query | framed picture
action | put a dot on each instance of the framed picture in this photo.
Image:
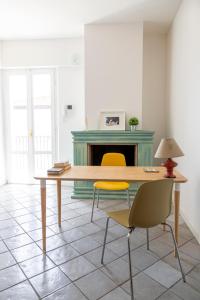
(112, 120)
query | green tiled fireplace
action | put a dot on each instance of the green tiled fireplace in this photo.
(89, 146)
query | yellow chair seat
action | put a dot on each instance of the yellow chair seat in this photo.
(120, 216)
(111, 185)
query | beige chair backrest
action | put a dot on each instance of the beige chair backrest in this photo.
(152, 204)
(113, 159)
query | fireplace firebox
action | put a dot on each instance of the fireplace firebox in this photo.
(96, 152)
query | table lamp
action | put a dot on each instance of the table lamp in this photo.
(168, 148)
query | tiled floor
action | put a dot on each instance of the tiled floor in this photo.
(71, 270)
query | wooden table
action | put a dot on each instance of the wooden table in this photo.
(94, 173)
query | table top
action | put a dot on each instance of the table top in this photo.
(96, 173)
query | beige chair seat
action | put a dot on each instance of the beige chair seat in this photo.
(120, 216)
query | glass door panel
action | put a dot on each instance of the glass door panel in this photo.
(42, 129)
(41, 89)
(18, 89)
(42, 124)
(18, 158)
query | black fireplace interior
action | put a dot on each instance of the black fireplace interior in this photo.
(97, 152)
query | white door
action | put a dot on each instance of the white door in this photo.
(30, 111)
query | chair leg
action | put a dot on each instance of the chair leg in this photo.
(104, 243)
(97, 198)
(130, 265)
(128, 199)
(94, 196)
(147, 231)
(177, 252)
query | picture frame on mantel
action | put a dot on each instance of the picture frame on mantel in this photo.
(112, 120)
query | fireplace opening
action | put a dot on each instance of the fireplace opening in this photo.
(96, 153)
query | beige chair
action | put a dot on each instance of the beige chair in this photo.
(110, 159)
(151, 207)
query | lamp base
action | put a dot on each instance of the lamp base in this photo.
(170, 165)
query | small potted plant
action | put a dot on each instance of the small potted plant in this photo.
(133, 122)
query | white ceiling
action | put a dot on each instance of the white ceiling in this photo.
(21, 19)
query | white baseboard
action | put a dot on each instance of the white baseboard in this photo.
(194, 232)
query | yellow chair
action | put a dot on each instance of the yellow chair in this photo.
(151, 207)
(110, 159)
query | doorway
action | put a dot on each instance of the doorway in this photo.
(30, 123)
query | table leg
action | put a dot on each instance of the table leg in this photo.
(176, 210)
(43, 210)
(59, 201)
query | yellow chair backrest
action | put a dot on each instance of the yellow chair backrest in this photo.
(113, 159)
(152, 204)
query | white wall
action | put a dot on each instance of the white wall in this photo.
(154, 81)
(2, 158)
(1, 54)
(71, 91)
(113, 70)
(184, 104)
(25, 53)
(66, 55)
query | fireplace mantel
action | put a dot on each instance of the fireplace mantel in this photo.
(137, 136)
(142, 139)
